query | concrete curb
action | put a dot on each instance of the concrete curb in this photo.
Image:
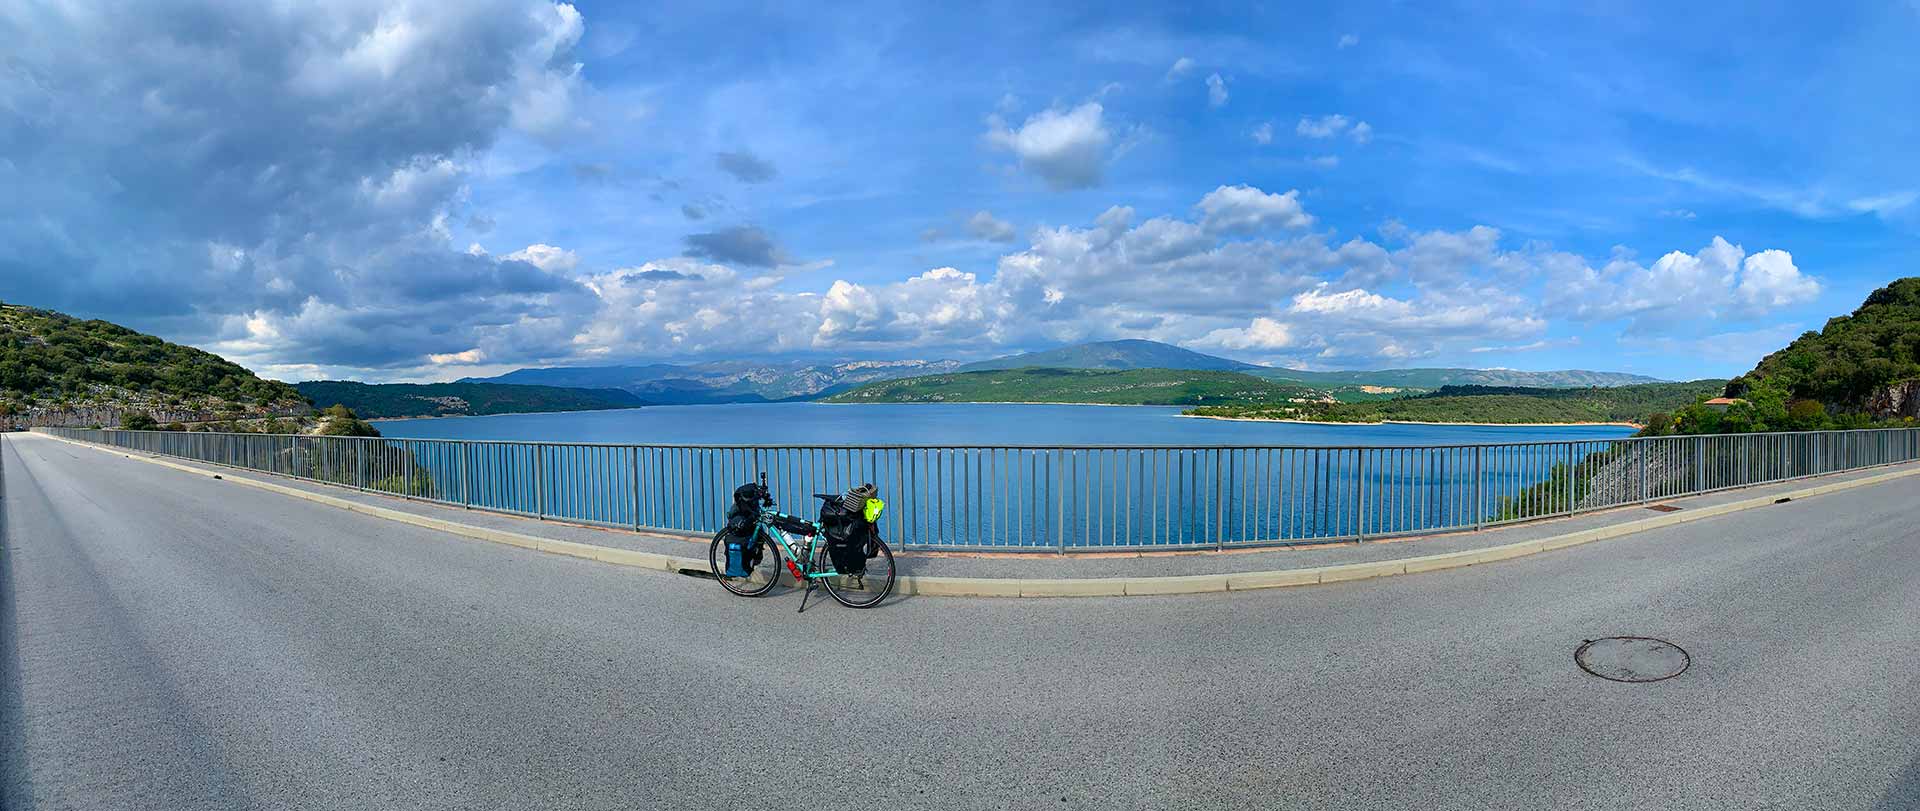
(1066, 587)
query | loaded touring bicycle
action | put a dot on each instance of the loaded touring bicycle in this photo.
(841, 551)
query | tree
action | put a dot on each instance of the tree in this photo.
(137, 421)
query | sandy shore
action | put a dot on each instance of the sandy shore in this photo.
(1420, 422)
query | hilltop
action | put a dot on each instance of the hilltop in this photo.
(387, 400)
(1865, 362)
(1117, 387)
(1859, 370)
(59, 370)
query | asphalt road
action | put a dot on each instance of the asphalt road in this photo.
(177, 642)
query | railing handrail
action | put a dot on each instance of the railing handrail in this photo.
(1028, 447)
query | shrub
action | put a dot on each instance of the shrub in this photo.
(137, 421)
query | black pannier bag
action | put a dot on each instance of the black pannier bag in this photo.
(742, 517)
(847, 533)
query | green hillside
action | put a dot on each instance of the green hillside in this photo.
(54, 362)
(1859, 370)
(381, 400)
(1118, 387)
(1494, 404)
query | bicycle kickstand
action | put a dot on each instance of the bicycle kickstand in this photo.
(805, 594)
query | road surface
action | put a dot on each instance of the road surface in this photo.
(177, 642)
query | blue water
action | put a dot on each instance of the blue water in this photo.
(1256, 490)
(951, 424)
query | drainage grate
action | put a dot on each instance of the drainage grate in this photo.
(1663, 508)
(1632, 658)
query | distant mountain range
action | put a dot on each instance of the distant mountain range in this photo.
(724, 381)
(754, 382)
(1129, 354)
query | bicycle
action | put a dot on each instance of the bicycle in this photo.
(854, 590)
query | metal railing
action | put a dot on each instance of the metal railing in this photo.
(1063, 499)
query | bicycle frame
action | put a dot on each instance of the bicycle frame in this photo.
(800, 565)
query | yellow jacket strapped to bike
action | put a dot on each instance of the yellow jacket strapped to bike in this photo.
(874, 506)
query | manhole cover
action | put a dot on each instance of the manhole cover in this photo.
(1632, 658)
(1663, 508)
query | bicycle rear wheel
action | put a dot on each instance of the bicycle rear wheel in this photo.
(760, 579)
(864, 590)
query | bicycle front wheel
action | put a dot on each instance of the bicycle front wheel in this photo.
(759, 579)
(864, 590)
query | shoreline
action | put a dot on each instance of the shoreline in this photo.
(1635, 426)
(501, 414)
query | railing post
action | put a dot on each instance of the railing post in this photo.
(633, 455)
(1479, 478)
(1059, 501)
(539, 485)
(1360, 496)
(1640, 450)
(1221, 478)
(466, 473)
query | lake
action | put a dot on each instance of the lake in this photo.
(960, 485)
(951, 424)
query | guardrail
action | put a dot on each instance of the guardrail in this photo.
(1083, 498)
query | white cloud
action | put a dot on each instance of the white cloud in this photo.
(1678, 214)
(1884, 204)
(1262, 334)
(1216, 91)
(1361, 132)
(1263, 134)
(1247, 210)
(1181, 67)
(1769, 280)
(1324, 161)
(1348, 41)
(547, 258)
(983, 225)
(1325, 126)
(1677, 289)
(1066, 148)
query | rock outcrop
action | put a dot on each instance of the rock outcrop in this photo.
(1896, 400)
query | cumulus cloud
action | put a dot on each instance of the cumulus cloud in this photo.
(1720, 281)
(1247, 210)
(1361, 132)
(1216, 91)
(745, 166)
(1181, 67)
(1348, 41)
(1263, 134)
(547, 258)
(741, 245)
(1066, 148)
(1325, 126)
(983, 225)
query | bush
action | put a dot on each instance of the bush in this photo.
(137, 421)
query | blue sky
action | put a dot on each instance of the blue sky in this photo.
(422, 191)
